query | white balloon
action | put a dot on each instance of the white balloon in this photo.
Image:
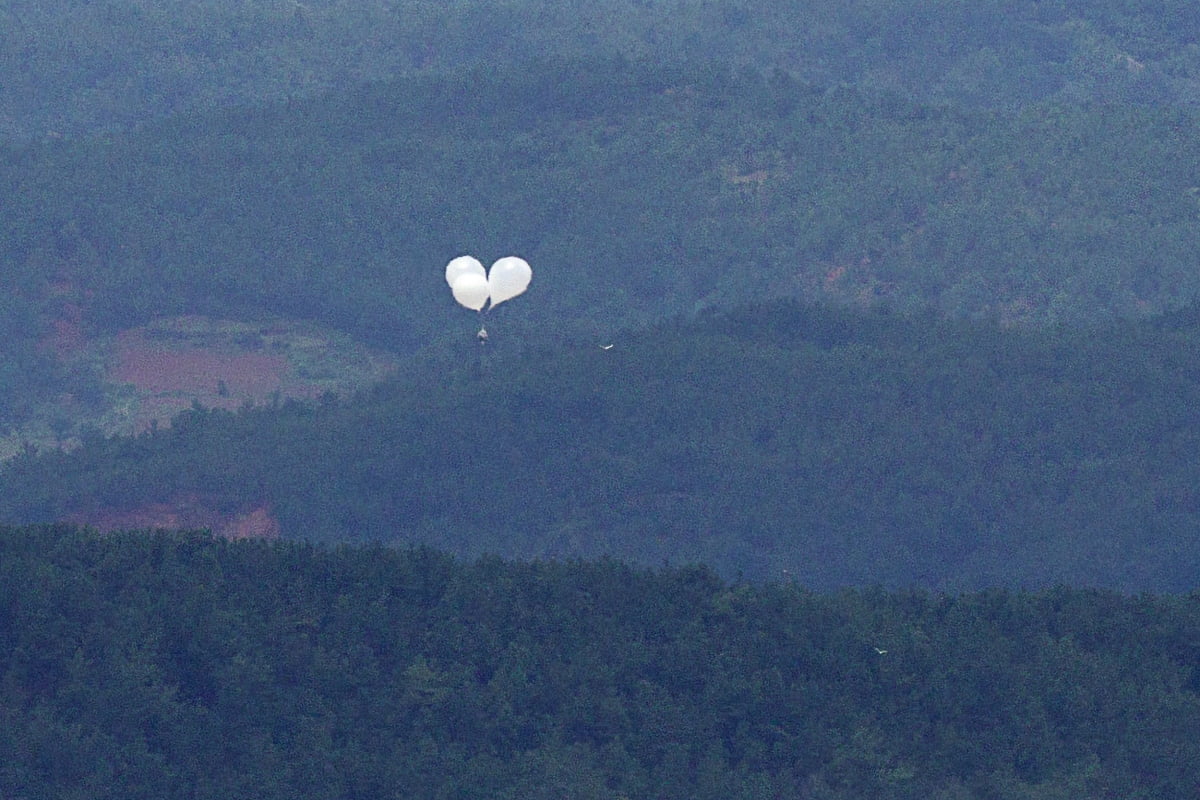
(508, 278)
(462, 266)
(471, 290)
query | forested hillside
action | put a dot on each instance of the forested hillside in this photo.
(981, 371)
(828, 295)
(638, 191)
(833, 446)
(150, 666)
(74, 68)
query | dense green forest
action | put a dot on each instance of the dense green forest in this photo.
(828, 295)
(150, 665)
(1025, 160)
(74, 67)
(639, 191)
(835, 446)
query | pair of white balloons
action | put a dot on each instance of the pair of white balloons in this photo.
(473, 287)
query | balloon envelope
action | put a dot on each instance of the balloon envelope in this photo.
(507, 278)
(462, 266)
(471, 290)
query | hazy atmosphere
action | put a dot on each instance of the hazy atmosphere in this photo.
(630, 399)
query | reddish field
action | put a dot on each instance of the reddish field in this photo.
(170, 375)
(178, 362)
(184, 512)
(157, 369)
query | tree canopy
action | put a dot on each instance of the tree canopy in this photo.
(142, 665)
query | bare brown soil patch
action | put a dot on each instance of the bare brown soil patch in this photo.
(175, 363)
(158, 370)
(171, 377)
(153, 372)
(185, 512)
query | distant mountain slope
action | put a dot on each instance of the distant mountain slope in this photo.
(638, 192)
(643, 190)
(833, 447)
(74, 68)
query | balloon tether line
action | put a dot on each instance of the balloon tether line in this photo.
(482, 336)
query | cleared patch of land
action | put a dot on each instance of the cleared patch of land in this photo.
(184, 512)
(152, 372)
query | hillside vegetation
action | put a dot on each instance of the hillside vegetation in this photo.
(639, 192)
(832, 446)
(828, 295)
(150, 666)
(75, 68)
(917, 337)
